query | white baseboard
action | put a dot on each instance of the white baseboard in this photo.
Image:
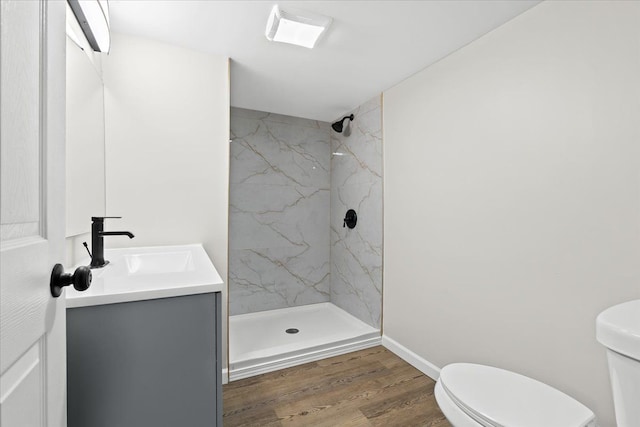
(421, 364)
(225, 376)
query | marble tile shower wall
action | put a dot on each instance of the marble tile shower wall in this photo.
(279, 212)
(356, 183)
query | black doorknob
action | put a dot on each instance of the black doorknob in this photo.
(80, 279)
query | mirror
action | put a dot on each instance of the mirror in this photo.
(84, 140)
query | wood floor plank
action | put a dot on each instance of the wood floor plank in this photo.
(371, 387)
(330, 417)
(262, 417)
(313, 382)
(353, 394)
(345, 397)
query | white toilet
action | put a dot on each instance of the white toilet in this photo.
(472, 395)
(618, 329)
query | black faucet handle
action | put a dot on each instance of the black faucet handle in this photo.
(101, 218)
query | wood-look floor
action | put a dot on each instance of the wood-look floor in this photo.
(370, 387)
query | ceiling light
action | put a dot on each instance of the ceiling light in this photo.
(93, 17)
(299, 28)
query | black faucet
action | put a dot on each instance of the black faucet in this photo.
(97, 240)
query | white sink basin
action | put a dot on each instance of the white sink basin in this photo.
(135, 274)
(618, 328)
(159, 262)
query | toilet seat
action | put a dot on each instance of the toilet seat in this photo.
(494, 397)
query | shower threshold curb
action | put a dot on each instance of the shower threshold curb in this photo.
(306, 356)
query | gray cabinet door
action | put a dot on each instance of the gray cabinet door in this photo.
(146, 363)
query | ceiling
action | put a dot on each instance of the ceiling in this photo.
(370, 46)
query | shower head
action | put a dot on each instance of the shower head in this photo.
(337, 126)
(346, 131)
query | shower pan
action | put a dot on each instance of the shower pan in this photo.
(260, 342)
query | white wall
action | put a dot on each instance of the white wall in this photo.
(167, 147)
(512, 196)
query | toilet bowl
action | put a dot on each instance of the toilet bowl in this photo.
(471, 395)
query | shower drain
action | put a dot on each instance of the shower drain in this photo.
(292, 331)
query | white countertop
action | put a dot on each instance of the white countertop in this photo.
(136, 274)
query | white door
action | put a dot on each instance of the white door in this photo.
(32, 105)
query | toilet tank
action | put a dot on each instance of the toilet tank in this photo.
(625, 382)
(618, 329)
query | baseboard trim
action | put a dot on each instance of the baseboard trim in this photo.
(225, 376)
(421, 364)
(311, 356)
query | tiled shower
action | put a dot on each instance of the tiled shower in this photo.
(292, 181)
(279, 219)
(356, 183)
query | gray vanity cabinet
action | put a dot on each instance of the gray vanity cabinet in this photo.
(145, 363)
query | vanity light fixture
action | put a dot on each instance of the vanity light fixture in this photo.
(296, 27)
(93, 17)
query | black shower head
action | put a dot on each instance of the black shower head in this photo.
(337, 126)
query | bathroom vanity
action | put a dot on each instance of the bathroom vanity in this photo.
(144, 341)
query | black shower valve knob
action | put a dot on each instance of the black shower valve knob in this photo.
(350, 219)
